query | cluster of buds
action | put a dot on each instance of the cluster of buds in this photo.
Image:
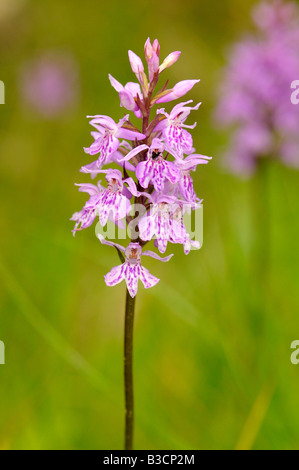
(154, 165)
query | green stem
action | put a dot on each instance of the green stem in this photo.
(128, 372)
(129, 316)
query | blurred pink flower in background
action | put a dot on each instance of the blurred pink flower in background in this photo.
(256, 91)
(49, 83)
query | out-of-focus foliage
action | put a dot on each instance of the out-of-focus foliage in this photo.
(212, 340)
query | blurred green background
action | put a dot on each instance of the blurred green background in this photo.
(212, 340)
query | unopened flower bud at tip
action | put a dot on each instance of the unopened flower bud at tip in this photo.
(156, 47)
(169, 61)
(179, 90)
(148, 49)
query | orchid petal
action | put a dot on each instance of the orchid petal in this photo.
(116, 85)
(124, 133)
(92, 168)
(133, 189)
(136, 63)
(115, 276)
(132, 274)
(117, 157)
(133, 88)
(89, 188)
(127, 100)
(106, 242)
(103, 120)
(152, 254)
(134, 152)
(147, 279)
(144, 173)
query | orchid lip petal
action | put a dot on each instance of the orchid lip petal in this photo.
(147, 279)
(115, 276)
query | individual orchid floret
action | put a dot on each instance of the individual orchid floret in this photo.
(179, 90)
(185, 183)
(132, 270)
(86, 216)
(117, 157)
(164, 222)
(169, 60)
(178, 217)
(155, 169)
(172, 127)
(129, 190)
(113, 204)
(127, 95)
(107, 137)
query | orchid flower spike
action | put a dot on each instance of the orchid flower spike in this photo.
(154, 162)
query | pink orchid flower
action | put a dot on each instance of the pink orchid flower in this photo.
(111, 203)
(155, 169)
(107, 137)
(173, 127)
(164, 222)
(185, 183)
(127, 95)
(132, 270)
